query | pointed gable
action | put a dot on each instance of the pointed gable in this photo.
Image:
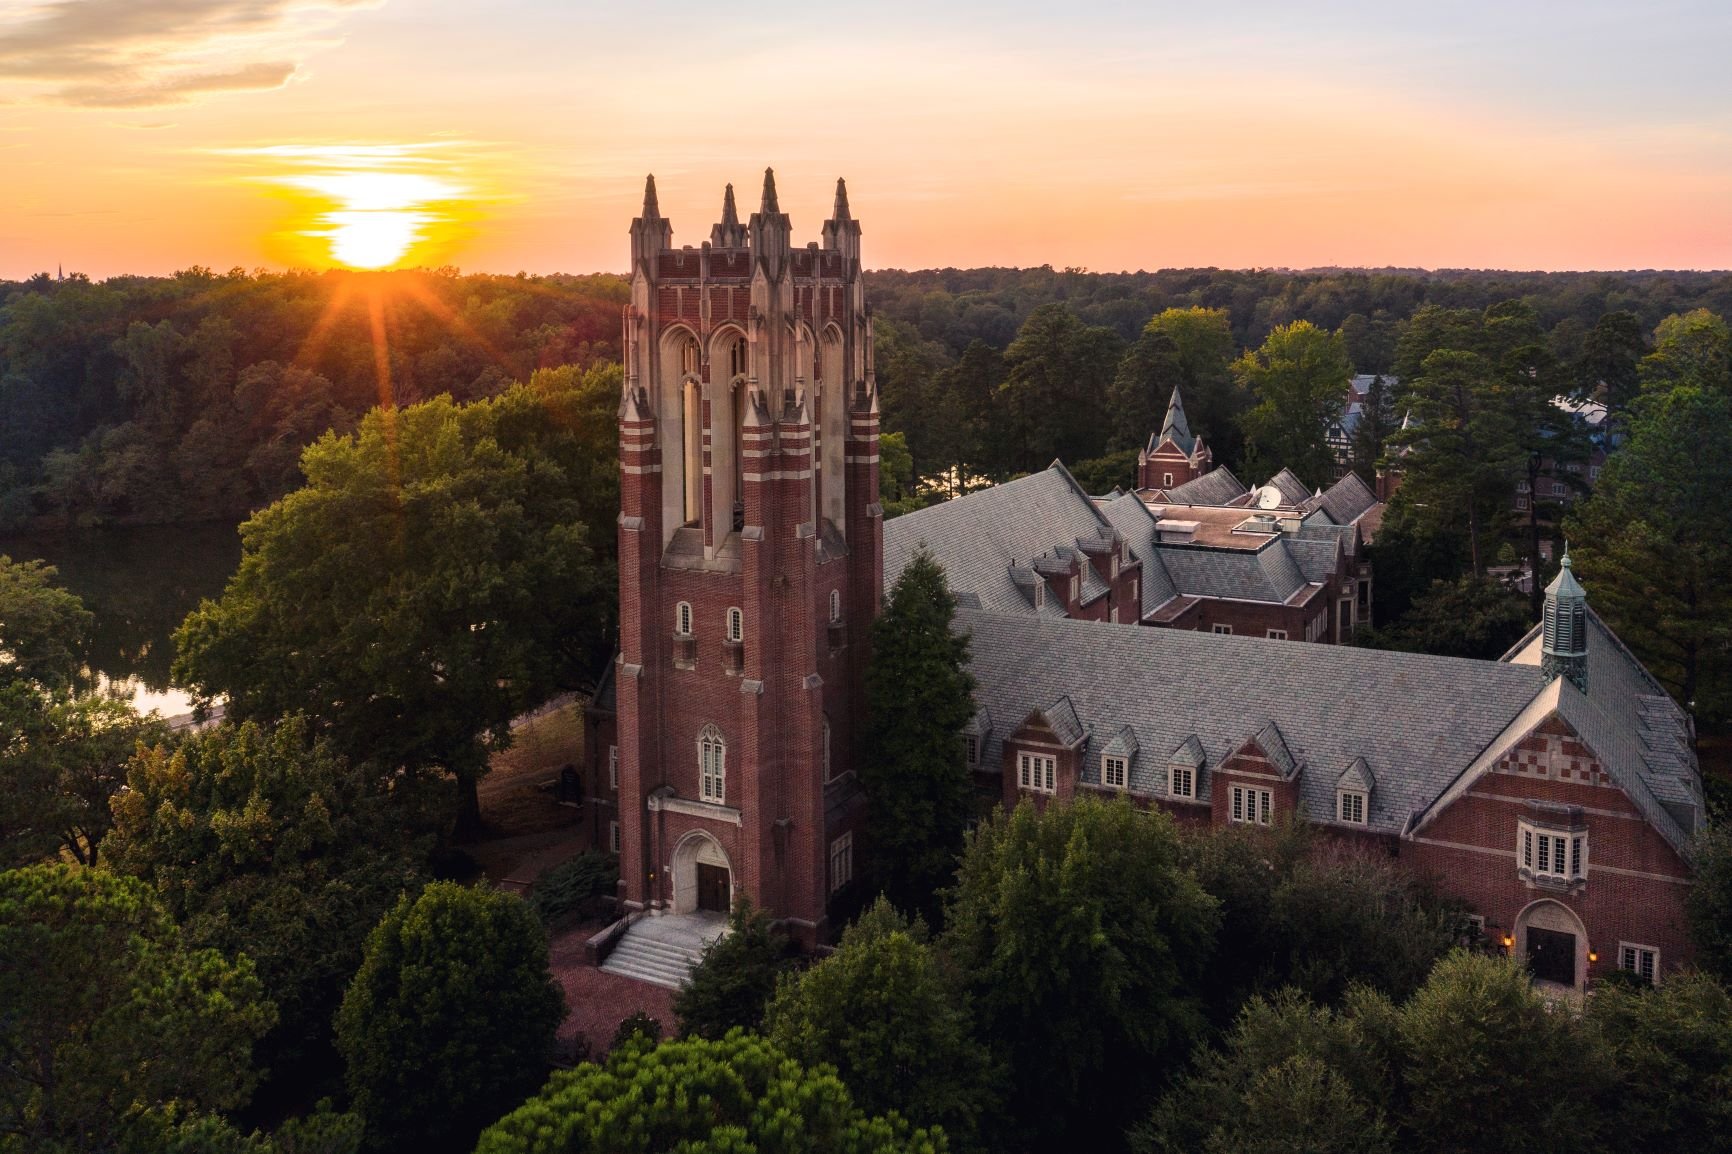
(1357, 776)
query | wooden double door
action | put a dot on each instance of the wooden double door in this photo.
(1552, 956)
(714, 890)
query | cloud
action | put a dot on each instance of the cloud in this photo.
(141, 53)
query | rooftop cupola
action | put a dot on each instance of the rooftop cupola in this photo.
(1564, 650)
(729, 233)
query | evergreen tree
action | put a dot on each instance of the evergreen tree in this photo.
(1377, 421)
(739, 1094)
(737, 977)
(1298, 383)
(1645, 547)
(919, 696)
(450, 1020)
(109, 1015)
(1611, 361)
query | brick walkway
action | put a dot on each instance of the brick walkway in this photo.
(597, 1002)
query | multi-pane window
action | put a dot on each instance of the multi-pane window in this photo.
(1037, 771)
(1350, 806)
(1643, 961)
(613, 767)
(1277, 634)
(1250, 805)
(712, 766)
(683, 619)
(1559, 856)
(1182, 781)
(1113, 772)
(1220, 629)
(613, 836)
(736, 625)
(841, 861)
(827, 770)
(971, 748)
(1521, 503)
(835, 605)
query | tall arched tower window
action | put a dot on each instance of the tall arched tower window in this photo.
(712, 766)
(832, 419)
(736, 625)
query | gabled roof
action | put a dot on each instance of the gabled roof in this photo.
(1136, 524)
(1347, 499)
(979, 537)
(1275, 750)
(1291, 488)
(1189, 752)
(1216, 487)
(1418, 718)
(1123, 744)
(1061, 718)
(1357, 776)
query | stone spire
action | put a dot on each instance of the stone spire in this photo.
(842, 232)
(728, 234)
(1175, 428)
(769, 204)
(1564, 649)
(651, 232)
(840, 211)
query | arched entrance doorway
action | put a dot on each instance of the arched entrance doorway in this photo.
(1553, 942)
(703, 877)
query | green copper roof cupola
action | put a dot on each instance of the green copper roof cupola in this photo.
(1564, 650)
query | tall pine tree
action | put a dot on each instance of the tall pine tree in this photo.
(919, 696)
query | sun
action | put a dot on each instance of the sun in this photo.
(378, 216)
(368, 206)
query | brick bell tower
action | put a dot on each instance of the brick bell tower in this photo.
(750, 563)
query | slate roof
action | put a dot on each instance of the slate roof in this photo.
(979, 537)
(1347, 499)
(1269, 574)
(1216, 487)
(1291, 488)
(1175, 428)
(1418, 719)
(1136, 524)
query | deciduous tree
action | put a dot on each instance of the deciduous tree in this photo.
(1084, 943)
(890, 1016)
(1297, 382)
(450, 1020)
(435, 577)
(264, 841)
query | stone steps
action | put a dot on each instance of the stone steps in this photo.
(647, 960)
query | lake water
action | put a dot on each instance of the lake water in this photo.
(140, 583)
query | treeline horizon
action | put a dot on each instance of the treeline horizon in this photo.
(138, 400)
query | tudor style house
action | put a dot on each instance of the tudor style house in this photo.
(1554, 791)
(749, 564)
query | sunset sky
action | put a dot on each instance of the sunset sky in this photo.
(148, 135)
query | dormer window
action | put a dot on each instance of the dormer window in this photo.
(1113, 772)
(1350, 807)
(1182, 781)
(1037, 772)
(683, 619)
(971, 749)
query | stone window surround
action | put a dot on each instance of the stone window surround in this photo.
(1361, 807)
